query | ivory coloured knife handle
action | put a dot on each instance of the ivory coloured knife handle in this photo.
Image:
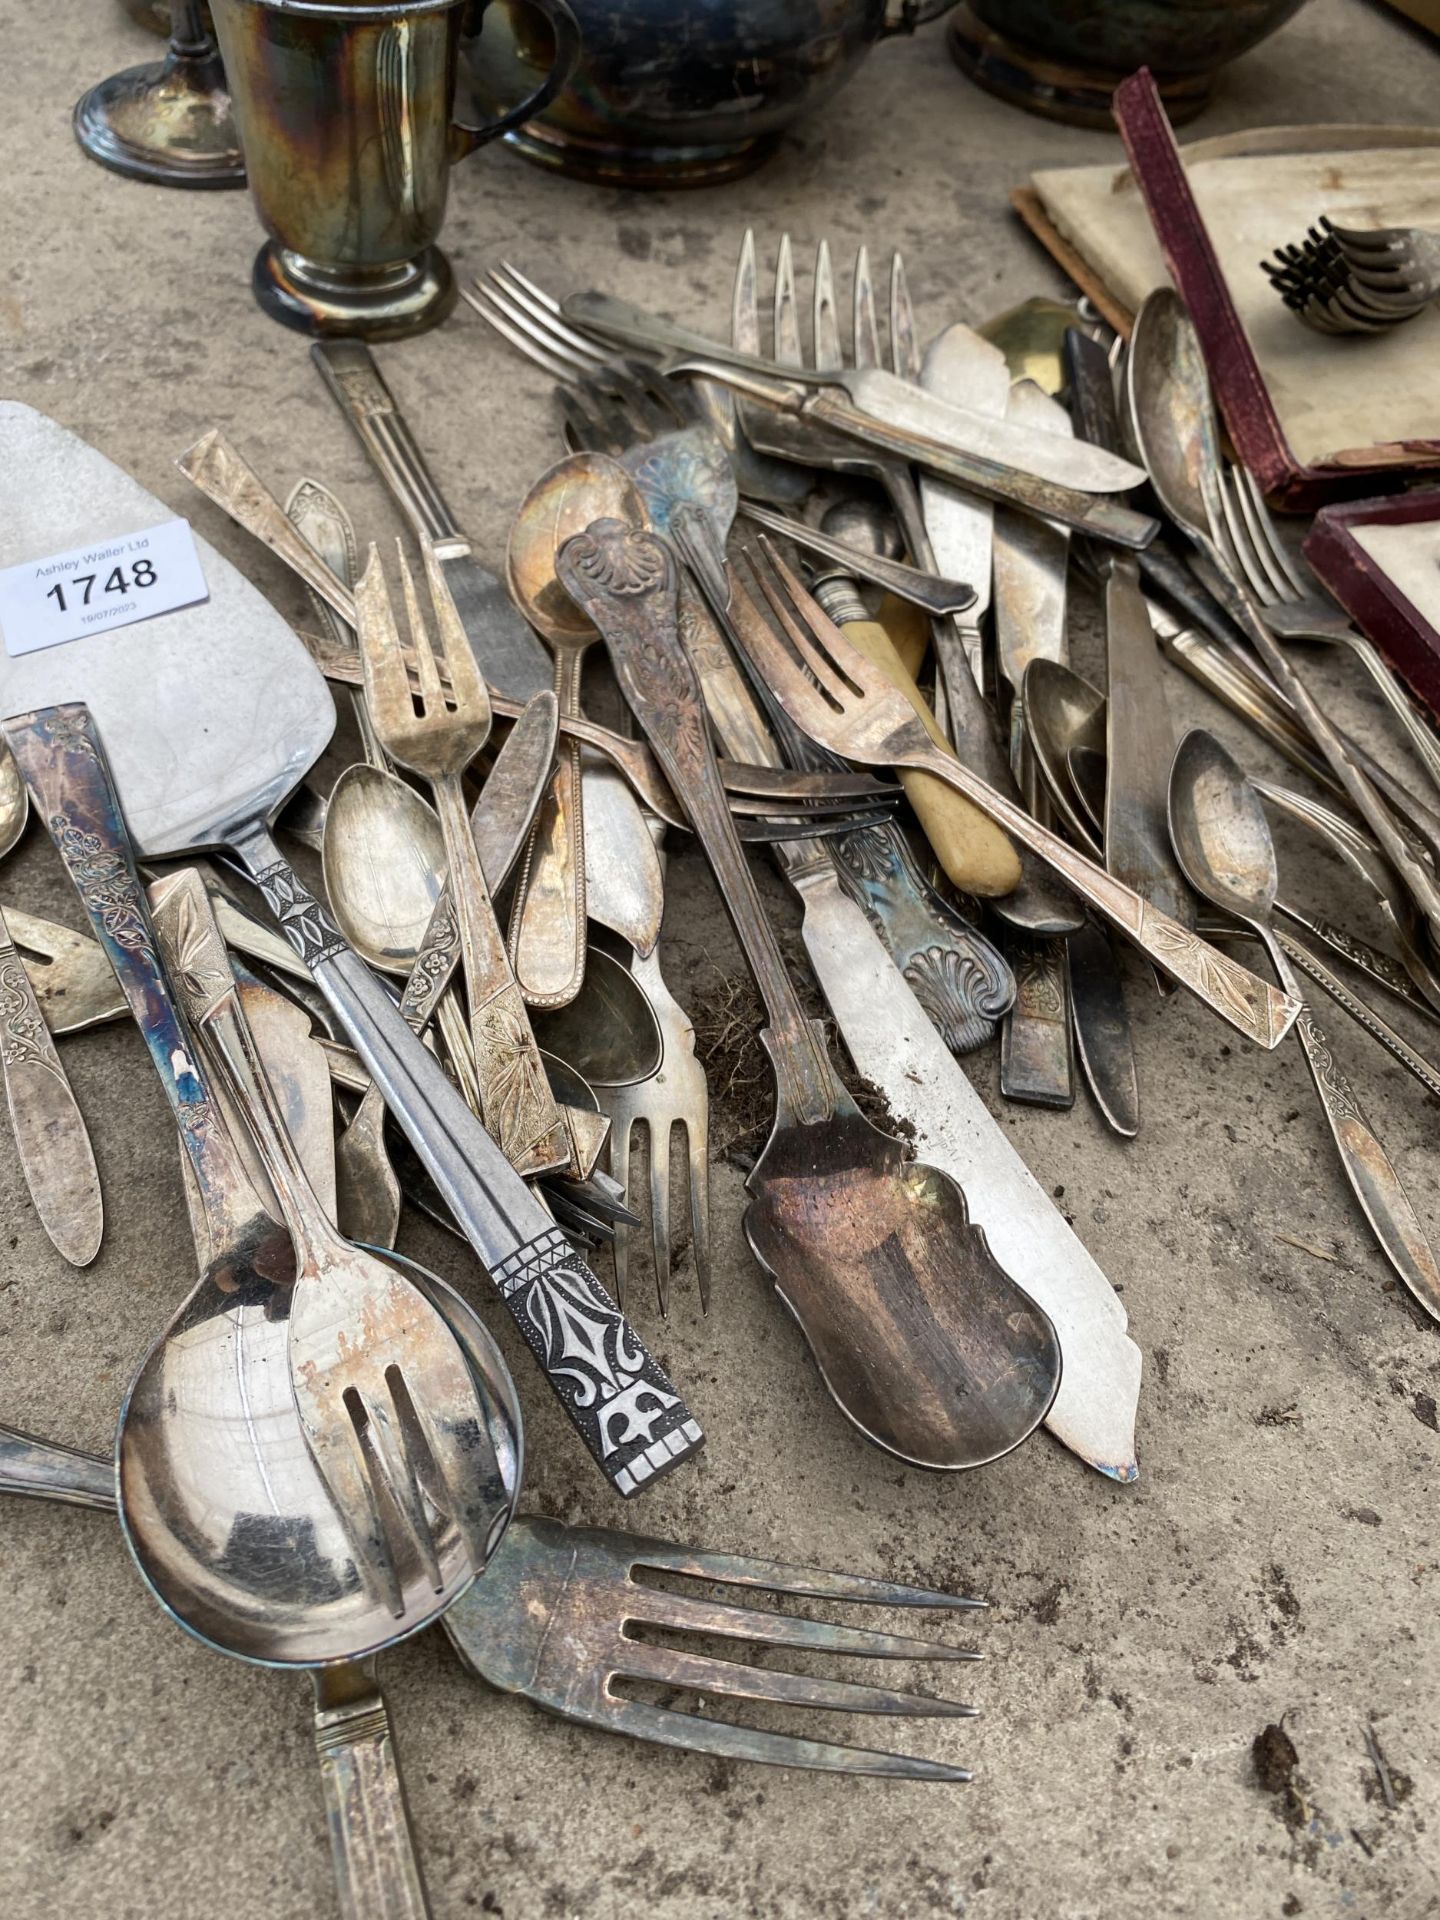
(908, 629)
(974, 852)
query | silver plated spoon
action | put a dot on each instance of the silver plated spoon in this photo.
(1222, 840)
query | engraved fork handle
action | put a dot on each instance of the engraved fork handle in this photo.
(377, 1868)
(625, 579)
(349, 370)
(1247, 1003)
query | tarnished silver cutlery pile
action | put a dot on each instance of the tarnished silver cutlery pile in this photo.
(833, 594)
(1056, 767)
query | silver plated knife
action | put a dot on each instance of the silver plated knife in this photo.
(512, 658)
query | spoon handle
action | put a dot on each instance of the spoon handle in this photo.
(377, 1867)
(58, 751)
(547, 920)
(1373, 1180)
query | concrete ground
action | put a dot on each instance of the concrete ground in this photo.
(1278, 1561)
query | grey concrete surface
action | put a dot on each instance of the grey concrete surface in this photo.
(1278, 1559)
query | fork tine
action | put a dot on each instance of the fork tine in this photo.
(795, 694)
(660, 1212)
(538, 294)
(806, 1583)
(744, 299)
(692, 1613)
(467, 684)
(788, 348)
(826, 676)
(383, 1443)
(904, 349)
(1263, 538)
(1241, 544)
(1264, 522)
(867, 333)
(524, 301)
(466, 1482)
(387, 682)
(585, 429)
(621, 1127)
(669, 1728)
(497, 319)
(825, 314)
(610, 416)
(697, 1143)
(427, 671)
(737, 1680)
(343, 1465)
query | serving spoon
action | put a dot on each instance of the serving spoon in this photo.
(1222, 840)
(927, 1346)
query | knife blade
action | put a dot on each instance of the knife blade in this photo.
(1140, 739)
(960, 524)
(879, 395)
(510, 656)
(893, 1044)
(1031, 560)
(50, 1133)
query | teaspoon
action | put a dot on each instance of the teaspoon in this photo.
(1222, 840)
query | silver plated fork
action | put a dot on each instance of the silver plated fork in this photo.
(555, 1618)
(1294, 611)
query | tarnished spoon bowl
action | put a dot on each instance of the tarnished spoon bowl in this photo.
(563, 501)
(1062, 712)
(1222, 838)
(608, 1033)
(384, 864)
(222, 1505)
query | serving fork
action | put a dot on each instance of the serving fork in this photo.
(831, 690)
(554, 1618)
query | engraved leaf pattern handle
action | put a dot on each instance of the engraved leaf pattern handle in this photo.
(625, 580)
(58, 751)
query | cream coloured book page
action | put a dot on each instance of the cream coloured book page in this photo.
(1332, 395)
(1410, 555)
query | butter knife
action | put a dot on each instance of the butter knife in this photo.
(50, 1133)
(1140, 740)
(893, 1044)
(511, 657)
